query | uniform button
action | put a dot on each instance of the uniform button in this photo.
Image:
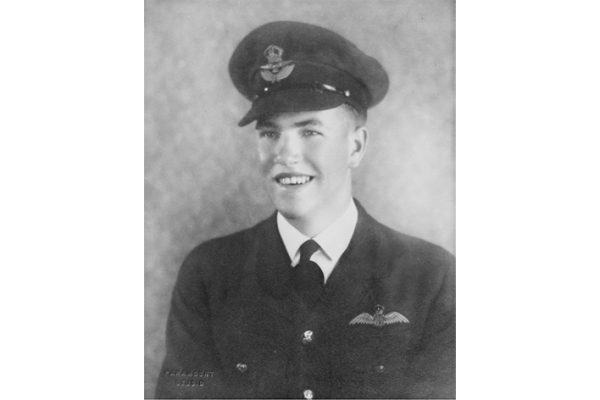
(308, 394)
(380, 368)
(307, 337)
(242, 367)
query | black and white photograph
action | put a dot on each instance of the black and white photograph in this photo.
(300, 199)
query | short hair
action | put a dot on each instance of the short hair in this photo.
(359, 117)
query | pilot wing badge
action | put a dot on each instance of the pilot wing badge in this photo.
(379, 319)
(276, 69)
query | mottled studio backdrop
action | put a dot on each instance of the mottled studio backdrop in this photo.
(200, 175)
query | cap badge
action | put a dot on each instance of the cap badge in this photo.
(379, 319)
(276, 69)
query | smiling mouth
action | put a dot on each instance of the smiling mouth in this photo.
(293, 180)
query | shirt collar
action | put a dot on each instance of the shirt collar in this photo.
(333, 240)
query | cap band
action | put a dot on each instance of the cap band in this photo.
(317, 87)
(319, 79)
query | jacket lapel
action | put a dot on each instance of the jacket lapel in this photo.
(273, 265)
(356, 281)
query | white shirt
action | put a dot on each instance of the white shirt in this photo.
(333, 241)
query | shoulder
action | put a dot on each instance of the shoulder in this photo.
(410, 247)
(399, 253)
(223, 254)
(397, 243)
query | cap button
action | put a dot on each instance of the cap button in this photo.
(307, 337)
(242, 367)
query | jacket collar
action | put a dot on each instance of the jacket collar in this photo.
(357, 277)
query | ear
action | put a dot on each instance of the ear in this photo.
(357, 145)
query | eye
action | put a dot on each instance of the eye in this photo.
(268, 134)
(310, 133)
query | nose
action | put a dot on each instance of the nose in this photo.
(288, 150)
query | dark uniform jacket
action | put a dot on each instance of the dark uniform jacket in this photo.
(237, 329)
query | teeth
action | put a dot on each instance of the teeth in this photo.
(294, 180)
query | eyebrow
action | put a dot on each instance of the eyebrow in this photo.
(311, 121)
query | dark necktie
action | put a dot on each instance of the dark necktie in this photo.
(307, 277)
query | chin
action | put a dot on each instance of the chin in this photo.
(291, 210)
(290, 213)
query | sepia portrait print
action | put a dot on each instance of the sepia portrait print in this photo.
(299, 199)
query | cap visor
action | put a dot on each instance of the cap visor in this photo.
(291, 101)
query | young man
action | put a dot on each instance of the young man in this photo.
(319, 300)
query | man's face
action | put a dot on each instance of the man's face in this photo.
(306, 158)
